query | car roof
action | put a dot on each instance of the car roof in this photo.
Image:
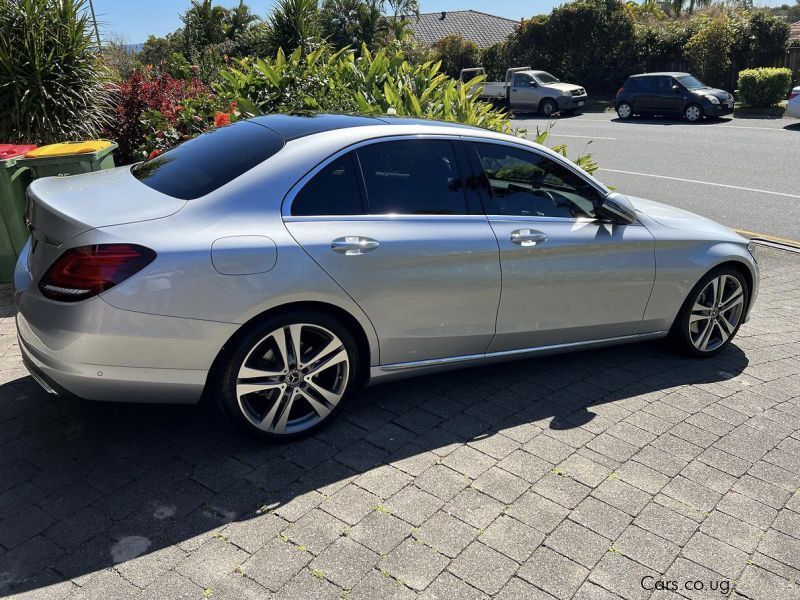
(661, 73)
(293, 126)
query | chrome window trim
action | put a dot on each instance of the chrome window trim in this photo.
(286, 203)
(384, 217)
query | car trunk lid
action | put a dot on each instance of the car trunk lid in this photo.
(60, 208)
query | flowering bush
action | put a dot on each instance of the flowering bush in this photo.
(145, 92)
(190, 118)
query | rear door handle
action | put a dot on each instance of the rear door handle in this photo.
(527, 237)
(352, 245)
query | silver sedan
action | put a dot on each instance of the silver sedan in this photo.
(276, 264)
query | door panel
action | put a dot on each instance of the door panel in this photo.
(430, 287)
(417, 257)
(523, 94)
(567, 276)
(587, 280)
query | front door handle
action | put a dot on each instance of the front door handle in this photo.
(527, 237)
(353, 245)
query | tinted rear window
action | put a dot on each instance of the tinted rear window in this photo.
(412, 177)
(200, 166)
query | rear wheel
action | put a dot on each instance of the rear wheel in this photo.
(693, 113)
(288, 375)
(712, 313)
(624, 110)
(548, 107)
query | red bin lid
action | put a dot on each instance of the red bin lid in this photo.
(13, 150)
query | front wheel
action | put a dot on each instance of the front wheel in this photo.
(287, 376)
(624, 110)
(693, 113)
(712, 313)
(548, 107)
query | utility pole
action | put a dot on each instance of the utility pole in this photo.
(94, 20)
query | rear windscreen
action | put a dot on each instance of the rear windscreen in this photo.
(200, 166)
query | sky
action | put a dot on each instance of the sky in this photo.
(134, 20)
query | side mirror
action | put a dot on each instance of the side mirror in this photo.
(534, 84)
(676, 89)
(617, 208)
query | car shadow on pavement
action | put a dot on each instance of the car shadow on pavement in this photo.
(666, 121)
(793, 126)
(87, 486)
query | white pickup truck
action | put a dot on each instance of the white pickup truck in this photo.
(526, 90)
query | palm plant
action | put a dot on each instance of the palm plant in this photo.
(295, 24)
(239, 19)
(52, 84)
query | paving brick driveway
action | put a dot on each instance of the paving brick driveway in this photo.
(572, 476)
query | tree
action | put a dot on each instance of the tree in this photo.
(709, 51)
(238, 20)
(590, 42)
(456, 53)
(203, 25)
(295, 24)
(768, 38)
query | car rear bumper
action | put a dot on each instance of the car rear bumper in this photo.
(98, 352)
(793, 110)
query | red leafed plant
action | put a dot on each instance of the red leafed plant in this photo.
(142, 92)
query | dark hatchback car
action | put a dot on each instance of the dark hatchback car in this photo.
(671, 94)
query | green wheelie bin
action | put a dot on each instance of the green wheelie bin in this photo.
(70, 158)
(14, 180)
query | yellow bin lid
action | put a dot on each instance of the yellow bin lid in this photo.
(68, 148)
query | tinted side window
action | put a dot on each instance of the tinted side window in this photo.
(530, 184)
(200, 166)
(334, 190)
(633, 84)
(412, 177)
(521, 81)
(646, 84)
(663, 84)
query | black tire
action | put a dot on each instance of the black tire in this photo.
(680, 335)
(548, 107)
(226, 375)
(693, 113)
(625, 111)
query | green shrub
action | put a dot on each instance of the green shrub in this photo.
(456, 53)
(709, 51)
(494, 60)
(764, 87)
(378, 83)
(52, 82)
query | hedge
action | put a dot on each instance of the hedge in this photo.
(766, 86)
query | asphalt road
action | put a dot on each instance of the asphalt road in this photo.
(742, 172)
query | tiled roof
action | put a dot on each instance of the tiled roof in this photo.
(795, 34)
(481, 28)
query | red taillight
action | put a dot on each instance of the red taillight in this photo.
(793, 95)
(86, 271)
(620, 90)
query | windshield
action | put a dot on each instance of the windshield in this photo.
(200, 166)
(691, 82)
(545, 78)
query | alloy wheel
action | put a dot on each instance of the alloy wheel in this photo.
(716, 313)
(292, 378)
